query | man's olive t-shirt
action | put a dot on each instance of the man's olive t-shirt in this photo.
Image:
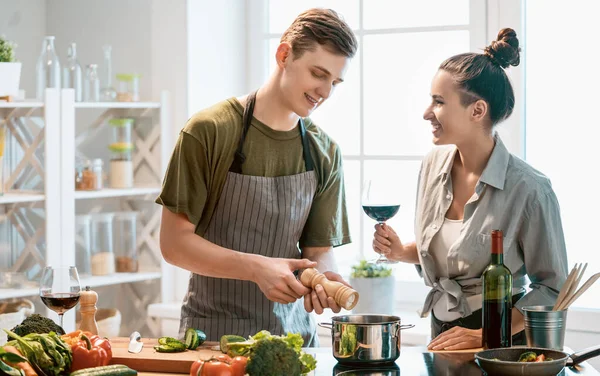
(204, 152)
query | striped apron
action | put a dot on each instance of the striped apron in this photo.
(258, 215)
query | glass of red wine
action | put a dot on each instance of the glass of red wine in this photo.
(59, 289)
(380, 202)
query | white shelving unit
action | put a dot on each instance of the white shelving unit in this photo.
(55, 243)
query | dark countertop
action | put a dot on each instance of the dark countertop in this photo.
(417, 361)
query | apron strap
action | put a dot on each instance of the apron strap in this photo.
(239, 158)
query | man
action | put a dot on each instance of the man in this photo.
(254, 192)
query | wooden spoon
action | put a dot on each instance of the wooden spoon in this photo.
(583, 288)
(565, 288)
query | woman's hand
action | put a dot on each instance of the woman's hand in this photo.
(457, 338)
(387, 243)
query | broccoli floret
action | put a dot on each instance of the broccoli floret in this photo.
(273, 357)
(37, 324)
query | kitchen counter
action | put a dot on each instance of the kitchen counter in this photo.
(413, 361)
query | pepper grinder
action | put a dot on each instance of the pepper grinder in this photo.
(343, 295)
(87, 307)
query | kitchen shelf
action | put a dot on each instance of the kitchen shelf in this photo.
(18, 293)
(18, 197)
(30, 103)
(125, 105)
(93, 282)
(112, 192)
(117, 278)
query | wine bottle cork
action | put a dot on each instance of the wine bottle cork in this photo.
(87, 307)
(343, 295)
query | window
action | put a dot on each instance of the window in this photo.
(376, 114)
(561, 119)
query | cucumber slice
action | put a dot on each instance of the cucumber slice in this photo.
(191, 339)
(167, 349)
(172, 342)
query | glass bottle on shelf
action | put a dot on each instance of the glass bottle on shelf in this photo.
(47, 69)
(107, 91)
(129, 87)
(72, 73)
(91, 91)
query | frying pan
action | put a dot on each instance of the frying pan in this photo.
(504, 361)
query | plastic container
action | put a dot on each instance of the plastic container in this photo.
(126, 256)
(129, 87)
(103, 257)
(83, 245)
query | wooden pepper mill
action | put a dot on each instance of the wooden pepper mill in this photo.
(87, 307)
(343, 295)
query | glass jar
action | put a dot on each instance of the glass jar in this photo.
(83, 245)
(103, 257)
(126, 242)
(129, 87)
(121, 131)
(91, 86)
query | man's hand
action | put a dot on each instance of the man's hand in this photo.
(457, 338)
(317, 300)
(276, 279)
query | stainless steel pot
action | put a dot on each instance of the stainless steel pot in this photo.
(362, 339)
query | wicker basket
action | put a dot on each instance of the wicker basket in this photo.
(12, 313)
(108, 320)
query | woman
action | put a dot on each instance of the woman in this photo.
(469, 186)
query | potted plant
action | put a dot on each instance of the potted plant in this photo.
(375, 284)
(10, 70)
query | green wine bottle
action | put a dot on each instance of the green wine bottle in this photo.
(497, 298)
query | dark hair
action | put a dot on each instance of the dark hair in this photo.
(322, 26)
(482, 76)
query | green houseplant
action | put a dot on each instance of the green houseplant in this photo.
(10, 69)
(375, 284)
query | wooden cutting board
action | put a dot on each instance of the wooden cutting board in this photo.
(148, 360)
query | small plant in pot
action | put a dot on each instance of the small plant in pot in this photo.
(375, 284)
(10, 70)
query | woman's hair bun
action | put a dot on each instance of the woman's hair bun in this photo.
(505, 50)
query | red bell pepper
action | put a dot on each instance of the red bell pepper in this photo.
(88, 349)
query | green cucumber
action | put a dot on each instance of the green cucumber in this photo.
(194, 338)
(115, 369)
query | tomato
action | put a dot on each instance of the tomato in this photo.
(238, 365)
(216, 368)
(221, 365)
(195, 367)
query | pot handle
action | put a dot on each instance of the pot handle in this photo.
(408, 326)
(326, 325)
(583, 355)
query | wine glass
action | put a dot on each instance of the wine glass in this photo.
(380, 202)
(59, 289)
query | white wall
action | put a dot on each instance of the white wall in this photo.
(24, 22)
